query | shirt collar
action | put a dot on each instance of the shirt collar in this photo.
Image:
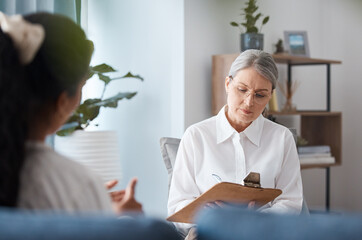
(224, 130)
(253, 132)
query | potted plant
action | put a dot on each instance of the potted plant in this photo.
(251, 38)
(90, 108)
(97, 150)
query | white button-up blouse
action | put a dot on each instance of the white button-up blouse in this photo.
(213, 146)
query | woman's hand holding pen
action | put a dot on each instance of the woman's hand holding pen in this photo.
(220, 204)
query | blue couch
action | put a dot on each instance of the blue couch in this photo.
(238, 223)
(215, 224)
(16, 224)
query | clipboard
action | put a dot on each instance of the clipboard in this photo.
(227, 192)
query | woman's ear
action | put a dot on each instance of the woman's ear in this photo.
(66, 104)
(62, 104)
(227, 84)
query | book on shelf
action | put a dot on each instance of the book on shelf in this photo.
(317, 160)
(314, 149)
(314, 155)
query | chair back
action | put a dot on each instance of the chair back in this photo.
(169, 147)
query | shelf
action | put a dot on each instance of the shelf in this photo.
(320, 128)
(309, 166)
(288, 59)
(305, 113)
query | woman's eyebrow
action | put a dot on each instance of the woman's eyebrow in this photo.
(257, 90)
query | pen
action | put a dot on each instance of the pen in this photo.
(216, 177)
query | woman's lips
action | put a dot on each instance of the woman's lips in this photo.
(246, 111)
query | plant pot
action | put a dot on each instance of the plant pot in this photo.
(251, 41)
(97, 150)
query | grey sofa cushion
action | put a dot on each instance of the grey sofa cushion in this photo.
(169, 147)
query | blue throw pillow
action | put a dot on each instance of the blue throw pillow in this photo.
(238, 223)
(16, 224)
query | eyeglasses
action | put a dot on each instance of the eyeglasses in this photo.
(259, 97)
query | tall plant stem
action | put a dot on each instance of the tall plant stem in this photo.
(104, 89)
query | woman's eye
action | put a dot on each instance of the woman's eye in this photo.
(259, 95)
(242, 90)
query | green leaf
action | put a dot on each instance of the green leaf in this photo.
(234, 24)
(130, 75)
(251, 6)
(265, 20)
(66, 131)
(90, 73)
(88, 110)
(74, 118)
(252, 30)
(103, 68)
(69, 127)
(104, 78)
(250, 20)
(113, 101)
(257, 16)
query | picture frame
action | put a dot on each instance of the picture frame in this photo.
(296, 43)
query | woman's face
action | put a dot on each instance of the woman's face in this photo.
(247, 95)
(55, 116)
(65, 107)
(72, 102)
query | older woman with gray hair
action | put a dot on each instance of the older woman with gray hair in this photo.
(239, 140)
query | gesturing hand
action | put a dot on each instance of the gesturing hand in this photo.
(124, 200)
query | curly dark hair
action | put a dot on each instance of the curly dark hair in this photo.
(30, 91)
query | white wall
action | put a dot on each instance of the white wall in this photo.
(334, 32)
(145, 37)
(207, 33)
(170, 43)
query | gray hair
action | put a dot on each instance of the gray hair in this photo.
(261, 61)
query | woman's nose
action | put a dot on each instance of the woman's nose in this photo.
(249, 99)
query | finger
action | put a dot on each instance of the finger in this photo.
(210, 205)
(117, 199)
(251, 205)
(111, 184)
(130, 190)
(207, 206)
(117, 194)
(220, 203)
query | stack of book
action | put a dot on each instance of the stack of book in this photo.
(315, 155)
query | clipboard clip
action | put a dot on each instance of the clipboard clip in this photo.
(252, 180)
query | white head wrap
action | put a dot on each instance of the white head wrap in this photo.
(27, 37)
